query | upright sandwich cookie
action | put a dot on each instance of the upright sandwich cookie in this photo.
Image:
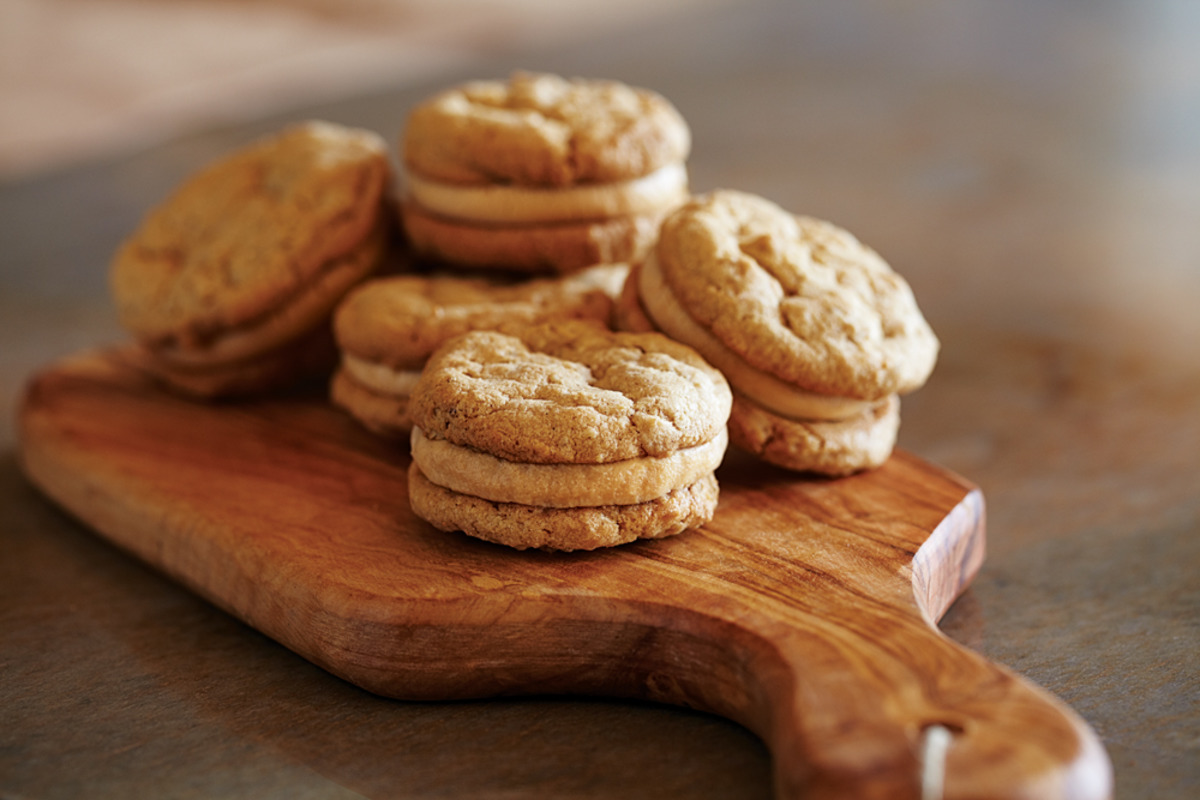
(387, 328)
(571, 437)
(816, 334)
(230, 283)
(540, 173)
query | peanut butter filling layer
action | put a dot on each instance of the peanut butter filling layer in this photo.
(635, 480)
(654, 193)
(380, 377)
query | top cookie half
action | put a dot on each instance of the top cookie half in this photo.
(570, 392)
(543, 130)
(795, 297)
(249, 233)
(399, 320)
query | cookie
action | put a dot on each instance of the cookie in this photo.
(246, 260)
(829, 447)
(387, 328)
(816, 334)
(567, 436)
(309, 356)
(562, 248)
(541, 173)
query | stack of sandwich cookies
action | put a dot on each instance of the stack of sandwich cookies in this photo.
(814, 331)
(540, 173)
(387, 328)
(230, 284)
(569, 437)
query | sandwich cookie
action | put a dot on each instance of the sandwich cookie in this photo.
(816, 334)
(541, 173)
(569, 437)
(387, 328)
(229, 284)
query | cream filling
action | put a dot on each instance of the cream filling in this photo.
(380, 377)
(635, 480)
(761, 387)
(650, 194)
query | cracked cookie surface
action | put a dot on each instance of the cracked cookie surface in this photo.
(543, 130)
(387, 328)
(249, 233)
(796, 297)
(570, 392)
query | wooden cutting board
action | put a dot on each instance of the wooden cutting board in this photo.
(805, 611)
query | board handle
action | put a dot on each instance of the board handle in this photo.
(889, 710)
(878, 703)
(974, 731)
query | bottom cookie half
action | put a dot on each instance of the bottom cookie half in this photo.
(561, 247)
(310, 357)
(587, 528)
(385, 415)
(834, 448)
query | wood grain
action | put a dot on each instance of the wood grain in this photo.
(805, 611)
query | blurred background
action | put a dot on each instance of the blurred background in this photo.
(88, 78)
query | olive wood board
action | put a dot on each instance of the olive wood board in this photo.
(806, 610)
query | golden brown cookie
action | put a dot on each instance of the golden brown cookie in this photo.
(814, 331)
(562, 247)
(544, 130)
(829, 447)
(541, 173)
(310, 356)
(628, 312)
(387, 328)
(567, 437)
(524, 527)
(250, 255)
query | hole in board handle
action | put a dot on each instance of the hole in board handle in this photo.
(936, 738)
